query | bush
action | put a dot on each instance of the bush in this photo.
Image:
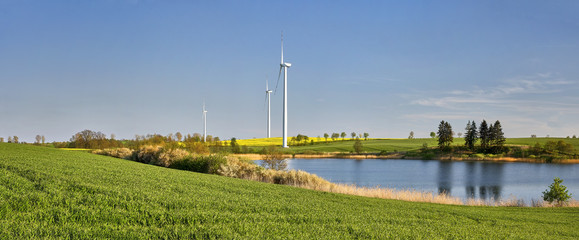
(123, 153)
(274, 159)
(166, 158)
(203, 164)
(557, 192)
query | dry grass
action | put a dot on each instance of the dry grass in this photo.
(123, 153)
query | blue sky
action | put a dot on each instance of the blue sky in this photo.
(382, 67)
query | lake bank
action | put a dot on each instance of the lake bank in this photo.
(402, 156)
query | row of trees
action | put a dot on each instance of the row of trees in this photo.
(343, 135)
(11, 139)
(490, 136)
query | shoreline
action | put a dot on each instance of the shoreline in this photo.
(402, 156)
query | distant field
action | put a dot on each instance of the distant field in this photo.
(52, 193)
(389, 145)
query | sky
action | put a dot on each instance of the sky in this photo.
(129, 67)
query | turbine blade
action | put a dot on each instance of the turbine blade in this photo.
(278, 76)
(281, 47)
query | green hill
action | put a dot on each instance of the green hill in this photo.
(52, 193)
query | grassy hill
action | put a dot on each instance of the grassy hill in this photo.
(52, 193)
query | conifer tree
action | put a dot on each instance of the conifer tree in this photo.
(444, 134)
(498, 135)
(471, 135)
(483, 133)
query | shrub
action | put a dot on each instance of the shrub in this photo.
(203, 163)
(274, 159)
(123, 153)
(166, 158)
(557, 192)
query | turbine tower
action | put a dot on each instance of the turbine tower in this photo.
(267, 94)
(283, 65)
(204, 123)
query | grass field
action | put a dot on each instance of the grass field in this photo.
(52, 193)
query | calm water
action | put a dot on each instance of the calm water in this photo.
(485, 180)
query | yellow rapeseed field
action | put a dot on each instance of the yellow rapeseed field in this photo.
(276, 141)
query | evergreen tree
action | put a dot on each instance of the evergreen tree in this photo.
(498, 135)
(471, 135)
(483, 133)
(444, 134)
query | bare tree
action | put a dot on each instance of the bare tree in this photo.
(43, 139)
(274, 159)
(179, 136)
(38, 138)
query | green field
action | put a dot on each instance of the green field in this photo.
(52, 193)
(398, 145)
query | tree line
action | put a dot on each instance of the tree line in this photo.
(492, 137)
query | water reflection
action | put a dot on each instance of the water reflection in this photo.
(491, 181)
(480, 180)
(470, 181)
(444, 177)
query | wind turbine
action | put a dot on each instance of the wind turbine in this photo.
(267, 93)
(204, 123)
(283, 65)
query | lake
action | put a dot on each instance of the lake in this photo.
(482, 180)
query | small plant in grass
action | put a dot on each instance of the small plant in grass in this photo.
(557, 192)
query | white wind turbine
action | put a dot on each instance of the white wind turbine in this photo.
(267, 93)
(204, 123)
(283, 65)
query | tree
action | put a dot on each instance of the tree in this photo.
(274, 159)
(498, 137)
(353, 134)
(358, 148)
(179, 136)
(459, 134)
(483, 134)
(335, 136)
(444, 135)
(9, 139)
(411, 135)
(326, 136)
(38, 139)
(1, 139)
(15, 139)
(432, 134)
(556, 192)
(471, 135)
(343, 135)
(366, 135)
(574, 136)
(234, 146)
